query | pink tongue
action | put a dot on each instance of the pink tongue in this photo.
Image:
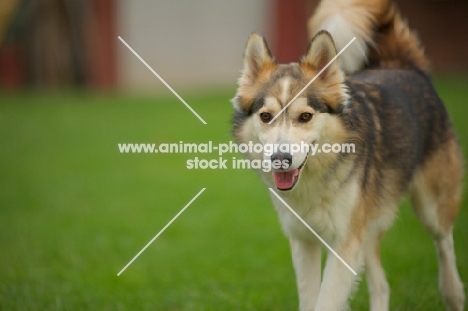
(285, 180)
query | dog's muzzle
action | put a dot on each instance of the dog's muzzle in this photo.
(286, 179)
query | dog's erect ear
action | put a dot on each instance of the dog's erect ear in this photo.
(320, 52)
(257, 58)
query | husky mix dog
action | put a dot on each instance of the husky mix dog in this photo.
(378, 96)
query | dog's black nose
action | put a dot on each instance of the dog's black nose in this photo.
(282, 156)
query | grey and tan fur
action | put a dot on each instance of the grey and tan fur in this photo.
(405, 143)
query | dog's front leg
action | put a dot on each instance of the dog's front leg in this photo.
(306, 256)
(338, 280)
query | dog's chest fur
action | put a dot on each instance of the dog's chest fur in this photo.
(325, 203)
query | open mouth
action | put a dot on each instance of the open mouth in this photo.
(287, 180)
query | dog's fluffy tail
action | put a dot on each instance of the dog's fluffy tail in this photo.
(383, 38)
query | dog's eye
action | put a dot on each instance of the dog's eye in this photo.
(305, 117)
(265, 116)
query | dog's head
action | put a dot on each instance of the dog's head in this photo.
(266, 87)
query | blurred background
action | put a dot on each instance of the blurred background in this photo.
(55, 43)
(74, 211)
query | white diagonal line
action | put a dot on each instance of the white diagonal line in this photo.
(313, 79)
(162, 230)
(162, 80)
(312, 230)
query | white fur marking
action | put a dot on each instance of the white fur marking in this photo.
(271, 103)
(306, 257)
(379, 290)
(285, 90)
(313, 231)
(342, 31)
(450, 284)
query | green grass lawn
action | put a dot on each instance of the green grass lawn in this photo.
(74, 211)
